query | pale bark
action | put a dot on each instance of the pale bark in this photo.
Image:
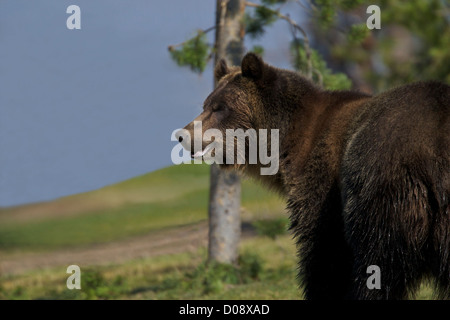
(225, 188)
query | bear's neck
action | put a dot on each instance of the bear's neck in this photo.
(304, 115)
(291, 97)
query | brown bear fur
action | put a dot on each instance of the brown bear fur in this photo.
(367, 179)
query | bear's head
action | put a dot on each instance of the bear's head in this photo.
(241, 111)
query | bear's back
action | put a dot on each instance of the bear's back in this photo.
(402, 127)
(431, 96)
(420, 109)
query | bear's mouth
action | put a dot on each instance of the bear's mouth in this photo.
(201, 153)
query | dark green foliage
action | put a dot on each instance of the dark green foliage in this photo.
(251, 266)
(357, 33)
(259, 50)
(253, 27)
(94, 286)
(327, 12)
(256, 22)
(18, 293)
(429, 22)
(266, 15)
(351, 4)
(273, 2)
(322, 74)
(194, 53)
(413, 43)
(271, 228)
(212, 277)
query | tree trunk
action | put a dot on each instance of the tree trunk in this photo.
(225, 187)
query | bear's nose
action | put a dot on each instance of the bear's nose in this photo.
(179, 135)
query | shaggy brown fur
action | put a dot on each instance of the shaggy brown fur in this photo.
(367, 179)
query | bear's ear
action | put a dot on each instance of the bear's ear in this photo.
(221, 69)
(253, 67)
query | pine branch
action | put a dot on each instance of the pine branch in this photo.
(297, 27)
(319, 77)
(312, 6)
(200, 32)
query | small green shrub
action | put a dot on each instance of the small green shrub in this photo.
(251, 266)
(271, 228)
(94, 286)
(212, 277)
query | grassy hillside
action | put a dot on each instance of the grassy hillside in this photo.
(166, 198)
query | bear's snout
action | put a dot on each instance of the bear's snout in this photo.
(179, 136)
(183, 137)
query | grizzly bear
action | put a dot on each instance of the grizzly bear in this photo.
(366, 178)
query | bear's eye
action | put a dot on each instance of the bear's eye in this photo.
(218, 107)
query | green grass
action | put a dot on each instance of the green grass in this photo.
(268, 273)
(105, 225)
(174, 196)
